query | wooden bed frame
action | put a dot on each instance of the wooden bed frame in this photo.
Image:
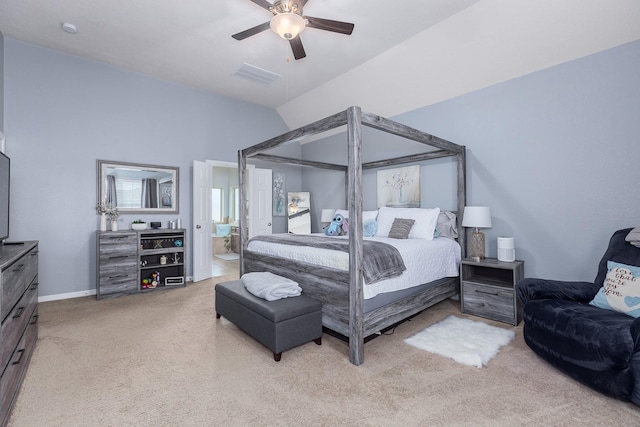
(341, 291)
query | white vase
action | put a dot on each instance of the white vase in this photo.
(103, 222)
(114, 225)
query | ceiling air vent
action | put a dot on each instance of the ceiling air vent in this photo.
(257, 74)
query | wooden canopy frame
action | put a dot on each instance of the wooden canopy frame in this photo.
(354, 118)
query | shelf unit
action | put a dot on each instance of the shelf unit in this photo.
(488, 289)
(132, 261)
(161, 253)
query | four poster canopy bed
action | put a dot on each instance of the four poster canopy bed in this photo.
(349, 307)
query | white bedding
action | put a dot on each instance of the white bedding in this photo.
(426, 260)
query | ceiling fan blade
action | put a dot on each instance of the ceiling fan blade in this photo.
(251, 31)
(296, 47)
(329, 25)
(262, 3)
(301, 3)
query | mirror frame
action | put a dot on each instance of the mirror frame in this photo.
(102, 166)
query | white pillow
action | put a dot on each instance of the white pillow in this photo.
(423, 228)
(366, 215)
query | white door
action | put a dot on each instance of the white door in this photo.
(201, 221)
(260, 201)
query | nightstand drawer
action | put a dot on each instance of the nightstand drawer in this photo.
(493, 302)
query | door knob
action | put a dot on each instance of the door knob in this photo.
(269, 224)
(198, 227)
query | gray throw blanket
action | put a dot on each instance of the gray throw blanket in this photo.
(634, 237)
(380, 260)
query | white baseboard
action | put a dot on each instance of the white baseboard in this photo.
(67, 295)
(80, 294)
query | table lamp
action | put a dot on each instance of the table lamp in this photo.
(476, 217)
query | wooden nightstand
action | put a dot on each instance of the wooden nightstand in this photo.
(488, 289)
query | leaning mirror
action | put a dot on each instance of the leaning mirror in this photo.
(138, 188)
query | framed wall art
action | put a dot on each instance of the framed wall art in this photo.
(399, 187)
(279, 195)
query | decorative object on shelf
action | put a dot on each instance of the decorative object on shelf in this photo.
(157, 244)
(476, 217)
(326, 217)
(278, 194)
(176, 259)
(173, 281)
(163, 260)
(107, 211)
(155, 224)
(112, 214)
(178, 243)
(506, 249)
(139, 224)
(399, 187)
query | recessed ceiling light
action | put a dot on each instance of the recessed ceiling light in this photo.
(69, 28)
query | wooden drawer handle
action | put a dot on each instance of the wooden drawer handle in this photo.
(34, 319)
(17, 362)
(19, 312)
(18, 268)
(34, 286)
(488, 293)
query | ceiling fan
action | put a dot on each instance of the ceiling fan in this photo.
(288, 22)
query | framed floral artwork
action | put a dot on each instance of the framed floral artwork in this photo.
(399, 187)
(279, 195)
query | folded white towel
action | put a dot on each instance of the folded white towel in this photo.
(634, 237)
(270, 286)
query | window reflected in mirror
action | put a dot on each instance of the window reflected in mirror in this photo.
(138, 188)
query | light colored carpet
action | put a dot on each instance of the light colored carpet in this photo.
(229, 256)
(466, 341)
(162, 359)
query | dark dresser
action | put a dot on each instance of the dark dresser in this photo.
(19, 312)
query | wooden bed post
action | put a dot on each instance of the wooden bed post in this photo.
(462, 199)
(242, 184)
(356, 295)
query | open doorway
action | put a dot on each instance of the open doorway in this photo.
(216, 195)
(225, 216)
(214, 214)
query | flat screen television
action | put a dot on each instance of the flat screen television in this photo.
(5, 165)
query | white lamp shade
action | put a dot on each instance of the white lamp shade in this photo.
(327, 215)
(287, 25)
(476, 216)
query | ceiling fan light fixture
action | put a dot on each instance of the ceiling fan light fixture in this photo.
(287, 25)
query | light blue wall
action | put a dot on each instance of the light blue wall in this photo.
(554, 155)
(63, 112)
(1, 81)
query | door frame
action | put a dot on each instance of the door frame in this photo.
(221, 164)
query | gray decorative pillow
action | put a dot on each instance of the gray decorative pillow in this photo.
(400, 228)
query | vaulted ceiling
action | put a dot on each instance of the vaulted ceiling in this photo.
(402, 54)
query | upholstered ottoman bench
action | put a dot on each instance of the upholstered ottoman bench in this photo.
(279, 325)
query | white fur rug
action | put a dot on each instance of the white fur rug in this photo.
(466, 341)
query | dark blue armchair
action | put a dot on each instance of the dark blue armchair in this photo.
(598, 347)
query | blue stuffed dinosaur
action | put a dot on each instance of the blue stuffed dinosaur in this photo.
(338, 226)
